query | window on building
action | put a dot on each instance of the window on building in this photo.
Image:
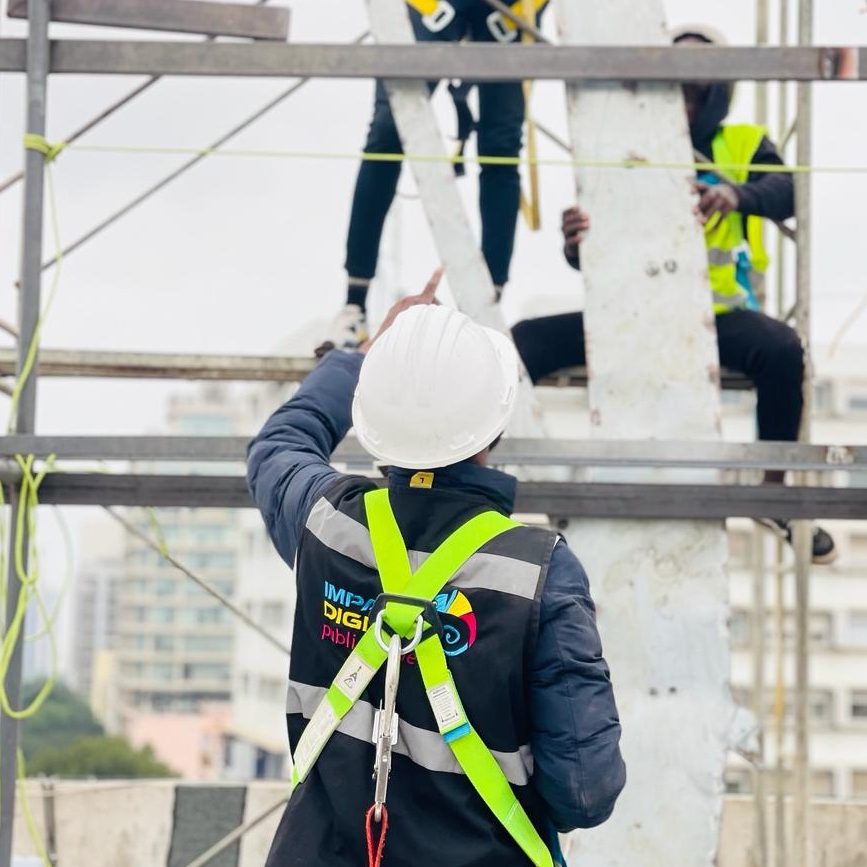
(161, 670)
(207, 643)
(164, 642)
(856, 629)
(821, 627)
(823, 396)
(161, 614)
(205, 671)
(859, 784)
(273, 614)
(859, 704)
(272, 689)
(740, 549)
(858, 401)
(738, 781)
(821, 706)
(858, 547)
(822, 784)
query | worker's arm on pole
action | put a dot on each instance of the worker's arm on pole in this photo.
(288, 461)
(767, 194)
(579, 771)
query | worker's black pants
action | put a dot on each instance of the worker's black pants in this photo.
(500, 127)
(764, 349)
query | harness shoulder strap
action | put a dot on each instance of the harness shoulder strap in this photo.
(472, 754)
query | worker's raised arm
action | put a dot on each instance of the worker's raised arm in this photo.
(579, 771)
(288, 461)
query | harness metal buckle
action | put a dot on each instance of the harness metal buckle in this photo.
(440, 18)
(499, 29)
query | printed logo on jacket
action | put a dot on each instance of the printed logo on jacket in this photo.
(345, 618)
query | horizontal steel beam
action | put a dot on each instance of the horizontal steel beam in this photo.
(188, 16)
(445, 60)
(149, 365)
(566, 499)
(247, 368)
(510, 451)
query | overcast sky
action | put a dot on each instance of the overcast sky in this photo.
(243, 252)
(240, 253)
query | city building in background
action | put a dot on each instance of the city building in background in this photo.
(95, 617)
(175, 640)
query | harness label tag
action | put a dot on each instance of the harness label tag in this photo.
(422, 480)
(314, 737)
(354, 676)
(446, 706)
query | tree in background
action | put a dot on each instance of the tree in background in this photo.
(102, 757)
(65, 739)
(63, 719)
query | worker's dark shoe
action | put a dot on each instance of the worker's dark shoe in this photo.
(349, 330)
(824, 550)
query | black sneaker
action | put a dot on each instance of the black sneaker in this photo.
(824, 550)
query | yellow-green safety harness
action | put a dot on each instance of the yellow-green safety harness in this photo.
(368, 657)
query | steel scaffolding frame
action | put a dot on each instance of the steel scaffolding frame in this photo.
(37, 56)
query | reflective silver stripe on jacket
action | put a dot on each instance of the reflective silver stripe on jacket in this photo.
(718, 256)
(348, 537)
(425, 748)
(733, 302)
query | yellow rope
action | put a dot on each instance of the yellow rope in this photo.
(270, 153)
(29, 821)
(35, 142)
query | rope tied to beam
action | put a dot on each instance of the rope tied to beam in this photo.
(35, 142)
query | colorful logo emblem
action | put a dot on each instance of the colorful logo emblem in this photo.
(459, 622)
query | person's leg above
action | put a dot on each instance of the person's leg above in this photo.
(550, 343)
(501, 120)
(770, 353)
(375, 188)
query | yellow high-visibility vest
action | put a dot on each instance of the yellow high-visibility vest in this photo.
(732, 254)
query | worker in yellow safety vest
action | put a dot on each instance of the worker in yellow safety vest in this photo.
(731, 205)
(437, 641)
(499, 134)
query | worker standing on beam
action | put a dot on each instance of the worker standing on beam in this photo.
(731, 204)
(504, 730)
(499, 128)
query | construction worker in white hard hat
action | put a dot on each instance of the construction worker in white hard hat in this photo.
(435, 639)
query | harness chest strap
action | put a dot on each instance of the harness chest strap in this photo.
(396, 574)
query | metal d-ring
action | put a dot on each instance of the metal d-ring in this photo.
(377, 634)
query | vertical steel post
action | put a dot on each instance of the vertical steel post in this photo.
(759, 693)
(25, 416)
(803, 529)
(759, 570)
(780, 839)
(780, 842)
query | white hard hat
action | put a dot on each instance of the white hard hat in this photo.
(435, 389)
